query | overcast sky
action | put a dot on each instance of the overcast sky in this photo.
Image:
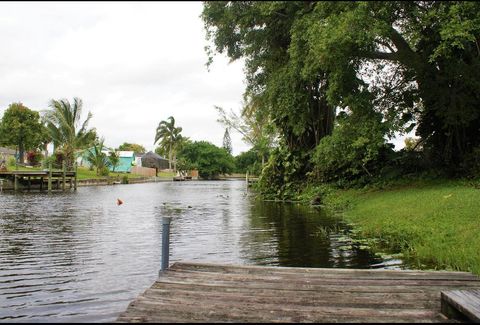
(133, 65)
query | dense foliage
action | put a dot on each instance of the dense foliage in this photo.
(210, 160)
(248, 161)
(406, 65)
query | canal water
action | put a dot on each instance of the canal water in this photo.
(80, 257)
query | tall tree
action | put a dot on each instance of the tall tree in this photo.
(136, 148)
(260, 32)
(170, 138)
(254, 125)
(67, 131)
(305, 60)
(227, 141)
(20, 127)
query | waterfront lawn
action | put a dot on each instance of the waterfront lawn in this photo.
(85, 173)
(432, 223)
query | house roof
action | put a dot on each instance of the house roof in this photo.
(7, 151)
(153, 160)
(126, 154)
(153, 155)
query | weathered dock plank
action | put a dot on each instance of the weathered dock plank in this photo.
(192, 292)
(464, 302)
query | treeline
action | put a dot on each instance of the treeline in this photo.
(30, 133)
(336, 81)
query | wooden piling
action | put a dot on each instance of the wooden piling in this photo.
(15, 183)
(50, 177)
(76, 177)
(64, 175)
(165, 243)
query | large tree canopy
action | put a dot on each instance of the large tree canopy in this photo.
(210, 160)
(136, 148)
(417, 62)
(21, 127)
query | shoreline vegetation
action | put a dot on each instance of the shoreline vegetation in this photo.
(433, 223)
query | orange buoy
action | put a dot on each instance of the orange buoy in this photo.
(119, 202)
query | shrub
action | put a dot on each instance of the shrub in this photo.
(11, 162)
(104, 171)
(353, 152)
(34, 157)
(283, 174)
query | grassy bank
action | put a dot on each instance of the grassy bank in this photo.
(435, 224)
(85, 173)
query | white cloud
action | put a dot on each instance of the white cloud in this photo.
(133, 64)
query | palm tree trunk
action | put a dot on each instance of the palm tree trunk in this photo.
(170, 157)
(45, 149)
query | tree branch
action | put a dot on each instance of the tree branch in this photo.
(377, 55)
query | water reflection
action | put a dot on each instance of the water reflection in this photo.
(295, 235)
(78, 257)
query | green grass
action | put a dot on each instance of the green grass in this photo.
(85, 173)
(435, 224)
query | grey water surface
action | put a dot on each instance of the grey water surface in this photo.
(80, 257)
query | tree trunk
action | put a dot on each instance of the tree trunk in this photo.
(21, 152)
(45, 149)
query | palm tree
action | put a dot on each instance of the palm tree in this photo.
(96, 157)
(169, 137)
(65, 128)
(114, 159)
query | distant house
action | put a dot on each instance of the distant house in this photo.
(153, 160)
(127, 160)
(138, 159)
(6, 154)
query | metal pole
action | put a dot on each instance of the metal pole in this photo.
(165, 242)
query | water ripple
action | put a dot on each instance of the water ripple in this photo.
(78, 257)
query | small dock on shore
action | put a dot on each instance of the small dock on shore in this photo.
(38, 180)
(192, 292)
(206, 293)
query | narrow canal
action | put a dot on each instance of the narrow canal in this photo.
(80, 257)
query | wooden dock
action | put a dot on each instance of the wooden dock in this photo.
(191, 292)
(38, 180)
